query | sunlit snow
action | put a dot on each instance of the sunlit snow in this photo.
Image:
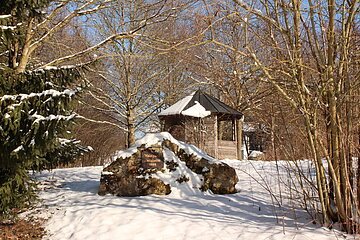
(77, 212)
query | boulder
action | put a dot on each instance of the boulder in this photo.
(219, 177)
(137, 174)
(124, 177)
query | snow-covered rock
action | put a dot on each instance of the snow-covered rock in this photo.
(159, 164)
(256, 155)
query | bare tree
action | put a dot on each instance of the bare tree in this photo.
(303, 50)
(57, 16)
(96, 129)
(137, 68)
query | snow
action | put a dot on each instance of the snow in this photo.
(38, 118)
(77, 212)
(5, 16)
(151, 139)
(7, 27)
(8, 97)
(65, 141)
(197, 111)
(249, 127)
(205, 169)
(177, 107)
(56, 68)
(255, 154)
(18, 149)
(179, 189)
(47, 93)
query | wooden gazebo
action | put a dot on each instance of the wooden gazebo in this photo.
(206, 122)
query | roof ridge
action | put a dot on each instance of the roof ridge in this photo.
(221, 103)
(207, 96)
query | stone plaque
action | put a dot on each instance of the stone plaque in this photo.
(151, 159)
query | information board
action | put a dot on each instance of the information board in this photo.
(151, 159)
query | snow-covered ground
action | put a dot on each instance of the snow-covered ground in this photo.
(77, 212)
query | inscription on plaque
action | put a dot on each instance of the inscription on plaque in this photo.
(151, 159)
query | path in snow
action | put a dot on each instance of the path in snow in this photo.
(79, 213)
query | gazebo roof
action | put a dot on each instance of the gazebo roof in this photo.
(198, 104)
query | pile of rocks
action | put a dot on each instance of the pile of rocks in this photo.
(134, 175)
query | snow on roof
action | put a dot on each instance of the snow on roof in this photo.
(196, 111)
(178, 107)
(207, 103)
(212, 104)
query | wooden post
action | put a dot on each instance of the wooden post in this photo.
(239, 127)
(216, 136)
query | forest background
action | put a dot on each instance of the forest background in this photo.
(99, 71)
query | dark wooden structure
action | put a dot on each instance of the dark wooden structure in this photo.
(206, 122)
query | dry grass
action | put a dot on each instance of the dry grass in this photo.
(22, 229)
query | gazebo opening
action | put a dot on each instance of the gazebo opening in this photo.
(226, 129)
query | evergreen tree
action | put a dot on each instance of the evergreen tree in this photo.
(35, 108)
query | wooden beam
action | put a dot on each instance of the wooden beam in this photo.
(216, 136)
(239, 127)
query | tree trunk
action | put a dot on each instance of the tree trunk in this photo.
(358, 173)
(130, 127)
